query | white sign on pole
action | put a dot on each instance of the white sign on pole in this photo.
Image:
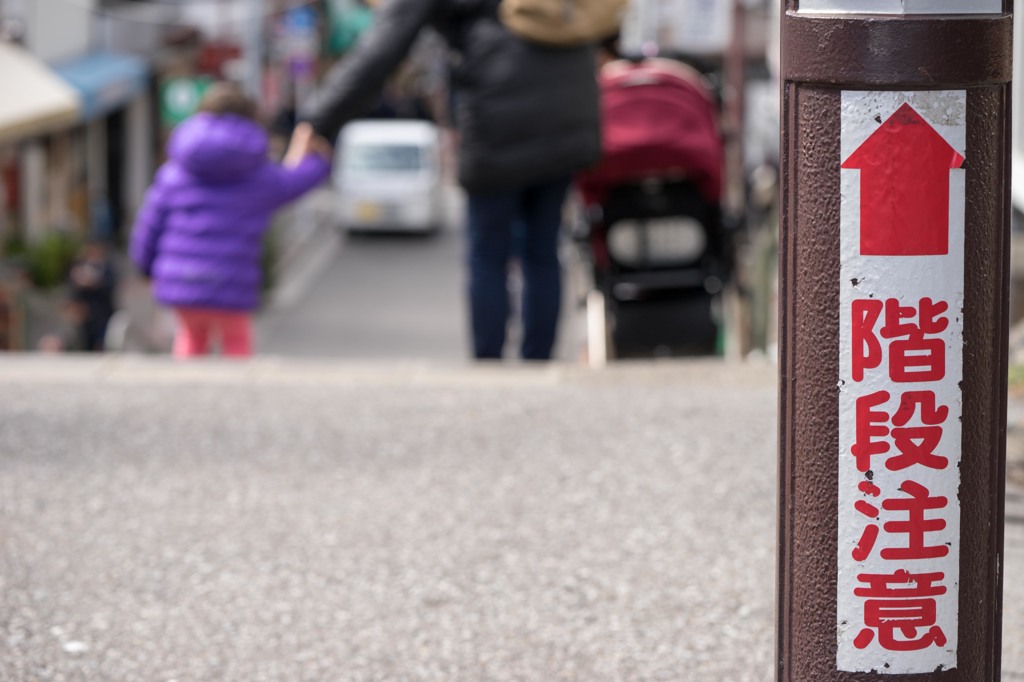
(902, 6)
(900, 365)
(696, 27)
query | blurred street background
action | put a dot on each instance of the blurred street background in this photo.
(385, 508)
(104, 82)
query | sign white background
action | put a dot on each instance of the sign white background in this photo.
(700, 27)
(902, 6)
(908, 279)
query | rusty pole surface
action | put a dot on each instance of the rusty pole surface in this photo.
(824, 55)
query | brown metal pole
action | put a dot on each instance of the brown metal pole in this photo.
(735, 103)
(836, 65)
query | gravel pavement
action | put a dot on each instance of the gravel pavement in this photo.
(284, 521)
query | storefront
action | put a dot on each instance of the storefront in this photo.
(113, 151)
(45, 105)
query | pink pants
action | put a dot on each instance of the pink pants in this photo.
(196, 327)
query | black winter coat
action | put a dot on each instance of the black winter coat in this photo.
(525, 113)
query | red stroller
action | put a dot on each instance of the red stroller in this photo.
(652, 229)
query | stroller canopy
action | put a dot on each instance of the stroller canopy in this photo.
(659, 121)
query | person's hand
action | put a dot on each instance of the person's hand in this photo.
(321, 146)
(305, 141)
(299, 145)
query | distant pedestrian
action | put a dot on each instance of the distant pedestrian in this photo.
(527, 117)
(92, 282)
(199, 235)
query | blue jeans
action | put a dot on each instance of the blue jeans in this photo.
(495, 218)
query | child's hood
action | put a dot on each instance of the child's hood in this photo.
(219, 148)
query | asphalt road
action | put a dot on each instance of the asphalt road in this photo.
(280, 520)
(391, 297)
(383, 296)
(285, 521)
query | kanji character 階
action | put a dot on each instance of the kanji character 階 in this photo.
(915, 357)
(916, 354)
(867, 349)
(903, 602)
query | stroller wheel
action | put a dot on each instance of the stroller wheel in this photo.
(115, 339)
(599, 336)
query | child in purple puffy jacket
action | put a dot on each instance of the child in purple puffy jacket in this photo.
(199, 234)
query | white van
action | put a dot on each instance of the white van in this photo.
(388, 176)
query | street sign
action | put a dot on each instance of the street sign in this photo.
(893, 325)
(299, 40)
(697, 27)
(180, 97)
(904, 184)
(901, 307)
(903, 6)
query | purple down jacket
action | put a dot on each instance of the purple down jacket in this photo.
(199, 232)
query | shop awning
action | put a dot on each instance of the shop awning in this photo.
(35, 100)
(105, 80)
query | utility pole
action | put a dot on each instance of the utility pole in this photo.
(735, 79)
(254, 49)
(894, 273)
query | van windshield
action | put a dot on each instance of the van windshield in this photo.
(382, 158)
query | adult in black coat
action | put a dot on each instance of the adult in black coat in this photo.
(527, 117)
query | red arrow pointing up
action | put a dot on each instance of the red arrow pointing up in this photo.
(904, 187)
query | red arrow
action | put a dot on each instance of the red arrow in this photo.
(904, 187)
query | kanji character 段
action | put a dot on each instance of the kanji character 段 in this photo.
(870, 429)
(915, 444)
(897, 607)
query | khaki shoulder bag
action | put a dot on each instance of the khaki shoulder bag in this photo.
(562, 23)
